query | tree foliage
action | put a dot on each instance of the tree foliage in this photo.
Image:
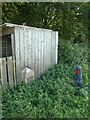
(70, 19)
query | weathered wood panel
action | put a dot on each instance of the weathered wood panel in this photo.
(29, 47)
(17, 51)
(44, 53)
(42, 45)
(40, 52)
(10, 71)
(3, 72)
(48, 49)
(7, 72)
(13, 58)
(26, 46)
(33, 33)
(53, 51)
(36, 49)
(56, 47)
(22, 50)
(35, 52)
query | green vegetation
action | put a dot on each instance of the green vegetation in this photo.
(55, 93)
(69, 18)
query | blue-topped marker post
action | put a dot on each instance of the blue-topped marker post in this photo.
(79, 79)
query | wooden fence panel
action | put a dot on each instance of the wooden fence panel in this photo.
(17, 51)
(10, 71)
(7, 72)
(3, 71)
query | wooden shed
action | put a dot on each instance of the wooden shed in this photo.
(24, 46)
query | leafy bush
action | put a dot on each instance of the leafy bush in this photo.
(73, 54)
(54, 94)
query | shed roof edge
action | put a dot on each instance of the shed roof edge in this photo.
(16, 25)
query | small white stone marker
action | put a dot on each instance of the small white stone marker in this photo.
(27, 75)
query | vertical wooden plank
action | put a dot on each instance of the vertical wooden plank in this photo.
(27, 42)
(36, 44)
(10, 71)
(41, 52)
(17, 51)
(30, 48)
(48, 48)
(26, 46)
(22, 46)
(53, 56)
(35, 54)
(38, 52)
(13, 58)
(45, 52)
(3, 72)
(51, 48)
(56, 47)
(32, 44)
(42, 42)
(33, 47)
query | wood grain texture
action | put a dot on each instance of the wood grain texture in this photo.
(3, 72)
(10, 72)
(56, 47)
(34, 48)
(17, 51)
(22, 50)
(29, 48)
(13, 58)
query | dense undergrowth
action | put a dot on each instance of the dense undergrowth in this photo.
(55, 93)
